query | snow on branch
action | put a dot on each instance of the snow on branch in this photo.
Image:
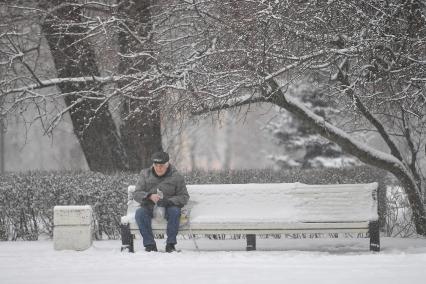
(86, 79)
(303, 59)
(93, 5)
(229, 103)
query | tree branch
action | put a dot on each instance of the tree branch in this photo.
(235, 102)
(56, 81)
(332, 133)
(349, 91)
(414, 152)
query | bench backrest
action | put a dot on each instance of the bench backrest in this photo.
(282, 202)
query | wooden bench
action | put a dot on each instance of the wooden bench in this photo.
(281, 208)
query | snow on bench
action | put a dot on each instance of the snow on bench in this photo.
(273, 208)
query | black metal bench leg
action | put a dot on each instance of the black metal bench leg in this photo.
(132, 246)
(374, 232)
(126, 238)
(251, 242)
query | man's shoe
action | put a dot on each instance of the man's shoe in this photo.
(170, 248)
(151, 248)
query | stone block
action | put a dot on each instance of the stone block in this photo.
(72, 227)
(72, 237)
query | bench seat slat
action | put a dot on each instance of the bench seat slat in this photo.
(264, 226)
(265, 231)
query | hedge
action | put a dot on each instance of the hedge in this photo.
(27, 199)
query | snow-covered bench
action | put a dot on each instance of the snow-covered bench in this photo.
(280, 208)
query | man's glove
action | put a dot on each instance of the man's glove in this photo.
(165, 203)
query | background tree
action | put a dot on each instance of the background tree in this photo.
(65, 28)
(303, 146)
(78, 35)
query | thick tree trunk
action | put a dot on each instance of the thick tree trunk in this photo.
(2, 140)
(382, 204)
(2, 152)
(141, 128)
(92, 121)
(141, 134)
(368, 156)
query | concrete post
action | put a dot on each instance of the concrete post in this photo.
(72, 227)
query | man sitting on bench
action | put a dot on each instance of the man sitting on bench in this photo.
(164, 186)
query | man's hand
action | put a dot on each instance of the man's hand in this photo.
(165, 203)
(154, 197)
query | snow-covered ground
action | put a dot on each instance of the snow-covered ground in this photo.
(225, 261)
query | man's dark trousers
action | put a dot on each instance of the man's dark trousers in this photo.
(144, 217)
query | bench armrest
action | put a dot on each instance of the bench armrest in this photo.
(130, 192)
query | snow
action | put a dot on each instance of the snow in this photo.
(219, 261)
(57, 81)
(327, 162)
(302, 59)
(274, 205)
(284, 202)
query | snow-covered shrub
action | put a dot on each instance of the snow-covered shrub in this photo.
(27, 199)
(398, 216)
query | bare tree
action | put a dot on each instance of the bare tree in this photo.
(366, 55)
(78, 33)
(63, 25)
(64, 29)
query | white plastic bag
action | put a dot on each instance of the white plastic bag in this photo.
(159, 212)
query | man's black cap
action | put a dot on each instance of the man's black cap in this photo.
(160, 157)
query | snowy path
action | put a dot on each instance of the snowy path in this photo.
(276, 261)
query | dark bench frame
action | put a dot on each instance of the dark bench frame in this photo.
(128, 235)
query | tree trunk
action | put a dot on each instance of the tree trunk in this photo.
(91, 119)
(2, 140)
(382, 204)
(368, 156)
(2, 152)
(141, 128)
